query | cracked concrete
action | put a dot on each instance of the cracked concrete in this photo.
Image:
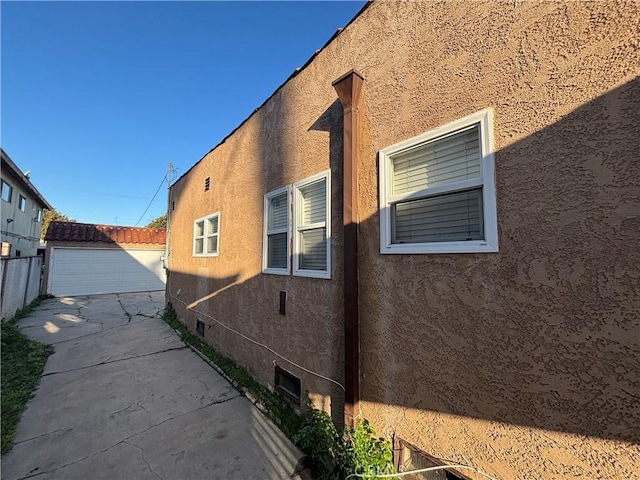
(123, 398)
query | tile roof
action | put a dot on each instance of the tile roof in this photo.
(88, 232)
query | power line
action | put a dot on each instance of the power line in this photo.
(164, 179)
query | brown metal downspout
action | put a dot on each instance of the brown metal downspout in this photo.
(348, 88)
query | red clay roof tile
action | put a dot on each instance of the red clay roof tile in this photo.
(88, 232)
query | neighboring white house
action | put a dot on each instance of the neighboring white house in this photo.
(22, 206)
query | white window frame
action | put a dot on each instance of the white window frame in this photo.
(490, 243)
(298, 228)
(267, 232)
(206, 235)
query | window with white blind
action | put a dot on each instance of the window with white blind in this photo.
(205, 236)
(437, 190)
(312, 227)
(276, 245)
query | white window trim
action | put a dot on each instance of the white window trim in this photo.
(205, 236)
(296, 240)
(490, 242)
(265, 240)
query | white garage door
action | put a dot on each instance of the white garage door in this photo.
(89, 271)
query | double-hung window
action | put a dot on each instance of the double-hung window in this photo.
(276, 245)
(437, 190)
(297, 225)
(312, 222)
(205, 236)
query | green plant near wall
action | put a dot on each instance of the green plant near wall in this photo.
(361, 452)
(333, 455)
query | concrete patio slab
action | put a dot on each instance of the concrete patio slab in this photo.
(123, 397)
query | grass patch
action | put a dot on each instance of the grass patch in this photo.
(22, 364)
(332, 455)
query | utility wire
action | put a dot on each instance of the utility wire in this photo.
(164, 179)
(291, 362)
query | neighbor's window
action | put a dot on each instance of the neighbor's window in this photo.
(7, 191)
(205, 235)
(276, 250)
(312, 223)
(22, 203)
(437, 191)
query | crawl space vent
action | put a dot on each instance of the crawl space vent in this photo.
(288, 384)
(200, 327)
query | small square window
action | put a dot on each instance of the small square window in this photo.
(437, 190)
(205, 236)
(7, 191)
(22, 203)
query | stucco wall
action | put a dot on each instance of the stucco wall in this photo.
(525, 362)
(286, 141)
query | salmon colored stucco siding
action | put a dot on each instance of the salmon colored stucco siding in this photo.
(524, 363)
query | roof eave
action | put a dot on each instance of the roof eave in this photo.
(23, 180)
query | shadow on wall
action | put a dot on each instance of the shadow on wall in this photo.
(310, 333)
(543, 334)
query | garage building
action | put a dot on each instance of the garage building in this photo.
(88, 259)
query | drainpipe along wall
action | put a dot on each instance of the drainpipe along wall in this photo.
(348, 88)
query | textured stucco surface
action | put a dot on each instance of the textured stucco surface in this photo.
(524, 363)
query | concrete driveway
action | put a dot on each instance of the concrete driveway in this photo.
(122, 397)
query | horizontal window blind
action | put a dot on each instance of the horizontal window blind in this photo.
(277, 251)
(439, 162)
(313, 251)
(277, 212)
(199, 230)
(212, 244)
(199, 245)
(446, 218)
(314, 205)
(212, 226)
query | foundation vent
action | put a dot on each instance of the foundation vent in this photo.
(200, 327)
(409, 458)
(288, 384)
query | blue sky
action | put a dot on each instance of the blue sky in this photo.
(98, 97)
